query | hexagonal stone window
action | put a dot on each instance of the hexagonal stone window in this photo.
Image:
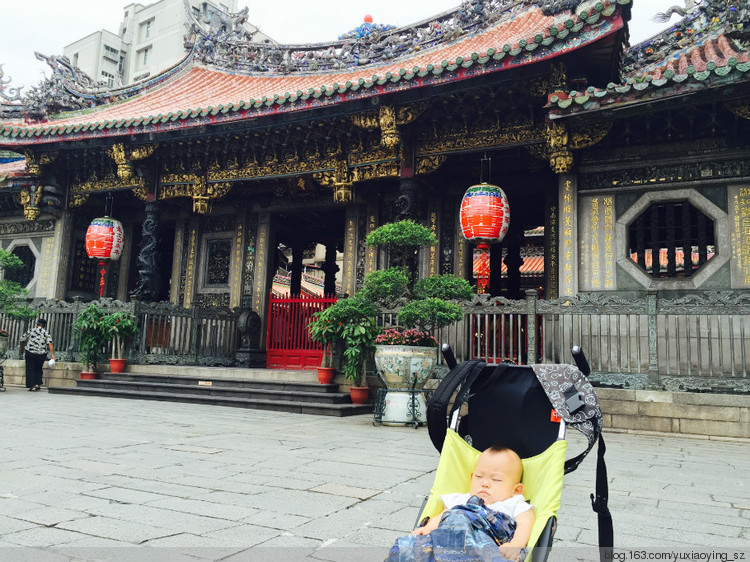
(671, 239)
(25, 274)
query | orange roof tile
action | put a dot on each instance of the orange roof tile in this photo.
(200, 96)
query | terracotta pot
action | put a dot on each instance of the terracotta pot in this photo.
(325, 375)
(85, 375)
(359, 394)
(117, 365)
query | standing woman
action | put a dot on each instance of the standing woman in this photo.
(35, 343)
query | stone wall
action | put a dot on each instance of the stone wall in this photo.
(711, 415)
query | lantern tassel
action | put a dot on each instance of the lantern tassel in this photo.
(102, 272)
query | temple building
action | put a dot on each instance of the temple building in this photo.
(626, 167)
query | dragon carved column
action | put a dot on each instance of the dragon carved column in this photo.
(149, 279)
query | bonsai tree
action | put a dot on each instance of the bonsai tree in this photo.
(433, 305)
(90, 329)
(12, 291)
(120, 327)
(401, 240)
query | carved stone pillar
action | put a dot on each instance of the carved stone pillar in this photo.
(568, 235)
(351, 242)
(330, 269)
(406, 204)
(264, 256)
(149, 278)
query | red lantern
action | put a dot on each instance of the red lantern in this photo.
(104, 240)
(485, 219)
(368, 18)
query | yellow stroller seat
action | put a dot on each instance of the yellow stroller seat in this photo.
(527, 409)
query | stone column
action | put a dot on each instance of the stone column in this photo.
(349, 281)
(178, 258)
(432, 256)
(236, 266)
(124, 263)
(149, 279)
(264, 257)
(568, 235)
(371, 257)
(62, 256)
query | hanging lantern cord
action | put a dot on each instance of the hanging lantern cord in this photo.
(108, 204)
(486, 162)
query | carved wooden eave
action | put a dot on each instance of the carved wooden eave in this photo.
(125, 175)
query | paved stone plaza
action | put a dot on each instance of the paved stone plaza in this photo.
(86, 478)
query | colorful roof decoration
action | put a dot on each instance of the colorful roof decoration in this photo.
(197, 95)
(705, 49)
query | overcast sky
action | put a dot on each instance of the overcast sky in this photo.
(47, 25)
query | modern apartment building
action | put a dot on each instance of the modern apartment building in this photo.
(149, 39)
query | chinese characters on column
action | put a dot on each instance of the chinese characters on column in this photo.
(740, 217)
(568, 279)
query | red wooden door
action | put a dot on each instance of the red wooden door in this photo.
(288, 341)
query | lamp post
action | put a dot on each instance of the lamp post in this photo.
(485, 219)
(104, 241)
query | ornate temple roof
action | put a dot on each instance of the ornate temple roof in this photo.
(203, 90)
(709, 47)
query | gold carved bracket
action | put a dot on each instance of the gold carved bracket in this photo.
(35, 163)
(560, 142)
(740, 109)
(30, 198)
(388, 119)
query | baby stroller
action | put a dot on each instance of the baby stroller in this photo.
(527, 409)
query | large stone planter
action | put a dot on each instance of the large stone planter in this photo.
(405, 369)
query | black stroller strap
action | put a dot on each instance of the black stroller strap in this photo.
(599, 505)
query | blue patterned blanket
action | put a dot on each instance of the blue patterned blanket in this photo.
(470, 532)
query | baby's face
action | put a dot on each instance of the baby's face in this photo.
(496, 477)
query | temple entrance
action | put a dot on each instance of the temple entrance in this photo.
(306, 279)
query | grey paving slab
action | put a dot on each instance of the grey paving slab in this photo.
(124, 479)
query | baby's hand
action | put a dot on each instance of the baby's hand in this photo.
(420, 531)
(510, 552)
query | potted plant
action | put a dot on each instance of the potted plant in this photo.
(88, 325)
(406, 355)
(352, 322)
(324, 329)
(120, 328)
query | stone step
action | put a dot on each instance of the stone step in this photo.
(291, 405)
(254, 389)
(215, 382)
(289, 394)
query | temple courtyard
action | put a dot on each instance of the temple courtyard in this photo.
(86, 478)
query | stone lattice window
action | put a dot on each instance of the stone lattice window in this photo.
(25, 274)
(678, 233)
(218, 258)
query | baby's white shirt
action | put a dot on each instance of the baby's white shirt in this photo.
(513, 506)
